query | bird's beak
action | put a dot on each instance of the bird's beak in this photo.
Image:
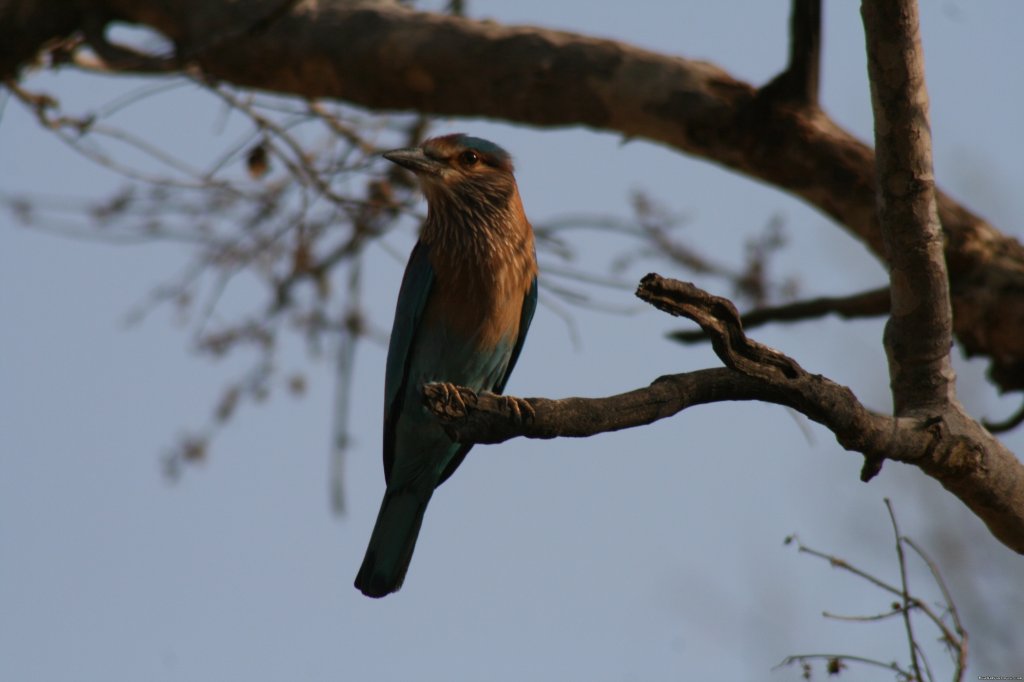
(415, 160)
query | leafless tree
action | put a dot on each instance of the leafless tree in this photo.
(295, 67)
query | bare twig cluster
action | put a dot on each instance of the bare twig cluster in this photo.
(943, 616)
(295, 201)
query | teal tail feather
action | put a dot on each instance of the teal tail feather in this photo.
(392, 542)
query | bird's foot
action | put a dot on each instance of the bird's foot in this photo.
(520, 407)
(451, 402)
(447, 399)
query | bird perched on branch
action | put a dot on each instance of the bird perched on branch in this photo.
(467, 299)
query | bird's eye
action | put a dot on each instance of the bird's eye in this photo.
(469, 158)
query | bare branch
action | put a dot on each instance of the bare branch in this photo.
(864, 619)
(955, 640)
(835, 663)
(488, 418)
(757, 373)
(918, 334)
(905, 592)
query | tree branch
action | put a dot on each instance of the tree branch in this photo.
(488, 418)
(918, 334)
(755, 372)
(953, 448)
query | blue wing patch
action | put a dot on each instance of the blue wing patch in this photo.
(417, 282)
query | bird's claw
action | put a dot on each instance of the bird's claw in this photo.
(451, 400)
(520, 407)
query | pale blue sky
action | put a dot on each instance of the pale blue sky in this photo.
(649, 554)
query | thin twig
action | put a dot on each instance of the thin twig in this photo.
(837, 562)
(904, 592)
(800, 658)
(863, 619)
(957, 644)
(1008, 424)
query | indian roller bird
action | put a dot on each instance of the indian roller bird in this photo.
(466, 300)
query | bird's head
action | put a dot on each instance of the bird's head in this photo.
(459, 169)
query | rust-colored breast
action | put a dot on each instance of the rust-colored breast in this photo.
(482, 301)
(480, 288)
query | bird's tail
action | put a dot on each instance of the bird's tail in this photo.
(393, 539)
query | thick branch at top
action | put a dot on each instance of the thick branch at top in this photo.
(380, 55)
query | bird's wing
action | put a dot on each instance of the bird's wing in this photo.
(412, 301)
(529, 306)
